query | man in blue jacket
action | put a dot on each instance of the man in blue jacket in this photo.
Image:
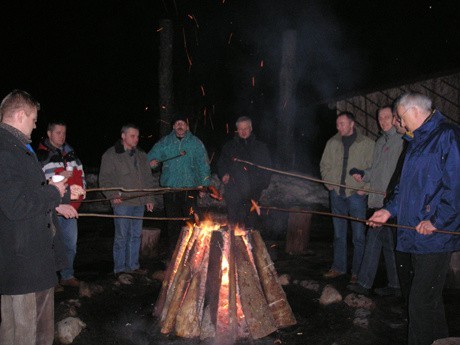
(427, 198)
(185, 164)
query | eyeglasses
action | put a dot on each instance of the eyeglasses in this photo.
(399, 117)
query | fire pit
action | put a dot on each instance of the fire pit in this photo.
(222, 284)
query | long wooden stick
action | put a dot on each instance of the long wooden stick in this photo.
(351, 218)
(99, 215)
(150, 190)
(308, 177)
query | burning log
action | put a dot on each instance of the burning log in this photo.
(221, 284)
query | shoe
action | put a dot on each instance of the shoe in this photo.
(140, 271)
(117, 274)
(388, 291)
(58, 288)
(358, 289)
(332, 274)
(73, 282)
(354, 279)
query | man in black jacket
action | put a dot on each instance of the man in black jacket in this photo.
(243, 182)
(27, 267)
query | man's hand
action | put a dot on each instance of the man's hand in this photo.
(425, 227)
(67, 211)
(378, 218)
(76, 191)
(66, 173)
(61, 186)
(154, 163)
(361, 192)
(225, 178)
(149, 206)
(117, 201)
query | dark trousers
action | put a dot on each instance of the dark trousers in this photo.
(405, 275)
(427, 320)
(178, 205)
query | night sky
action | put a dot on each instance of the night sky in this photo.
(95, 64)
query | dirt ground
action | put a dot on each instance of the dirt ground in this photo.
(122, 314)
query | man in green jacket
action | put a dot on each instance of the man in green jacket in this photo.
(185, 164)
(346, 150)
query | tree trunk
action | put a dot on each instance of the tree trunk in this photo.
(287, 105)
(165, 76)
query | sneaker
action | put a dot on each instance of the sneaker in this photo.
(332, 274)
(354, 279)
(388, 291)
(73, 282)
(358, 289)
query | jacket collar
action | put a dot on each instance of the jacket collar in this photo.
(16, 133)
(430, 124)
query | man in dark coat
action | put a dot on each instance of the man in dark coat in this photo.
(27, 267)
(243, 182)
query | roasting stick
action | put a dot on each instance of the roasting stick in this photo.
(150, 190)
(257, 208)
(99, 215)
(308, 177)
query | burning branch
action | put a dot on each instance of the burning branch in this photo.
(307, 177)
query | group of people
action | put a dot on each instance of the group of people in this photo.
(408, 177)
(38, 212)
(408, 174)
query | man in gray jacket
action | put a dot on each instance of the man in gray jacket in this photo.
(345, 150)
(125, 165)
(386, 153)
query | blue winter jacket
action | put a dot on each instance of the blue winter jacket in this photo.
(429, 188)
(187, 171)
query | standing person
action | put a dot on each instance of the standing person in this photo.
(243, 182)
(345, 150)
(428, 198)
(185, 164)
(27, 267)
(125, 165)
(58, 157)
(386, 153)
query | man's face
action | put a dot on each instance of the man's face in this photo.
(57, 135)
(181, 128)
(345, 126)
(130, 138)
(385, 119)
(29, 121)
(407, 117)
(244, 129)
(399, 128)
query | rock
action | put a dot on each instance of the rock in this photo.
(310, 285)
(447, 341)
(330, 295)
(361, 322)
(88, 290)
(362, 313)
(284, 279)
(359, 301)
(68, 329)
(158, 275)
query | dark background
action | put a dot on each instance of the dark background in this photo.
(95, 64)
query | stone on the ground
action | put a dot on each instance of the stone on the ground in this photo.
(330, 295)
(310, 285)
(284, 279)
(361, 322)
(68, 329)
(447, 341)
(359, 301)
(158, 275)
(88, 290)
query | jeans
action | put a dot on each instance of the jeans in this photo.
(69, 235)
(28, 319)
(376, 240)
(427, 320)
(355, 206)
(127, 241)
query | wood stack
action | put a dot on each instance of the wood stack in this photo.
(222, 284)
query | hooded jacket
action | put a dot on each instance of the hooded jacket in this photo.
(429, 188)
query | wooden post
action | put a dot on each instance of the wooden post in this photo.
(298, 233)
(165, 76)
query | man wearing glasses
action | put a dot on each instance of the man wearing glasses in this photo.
(427, 198)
